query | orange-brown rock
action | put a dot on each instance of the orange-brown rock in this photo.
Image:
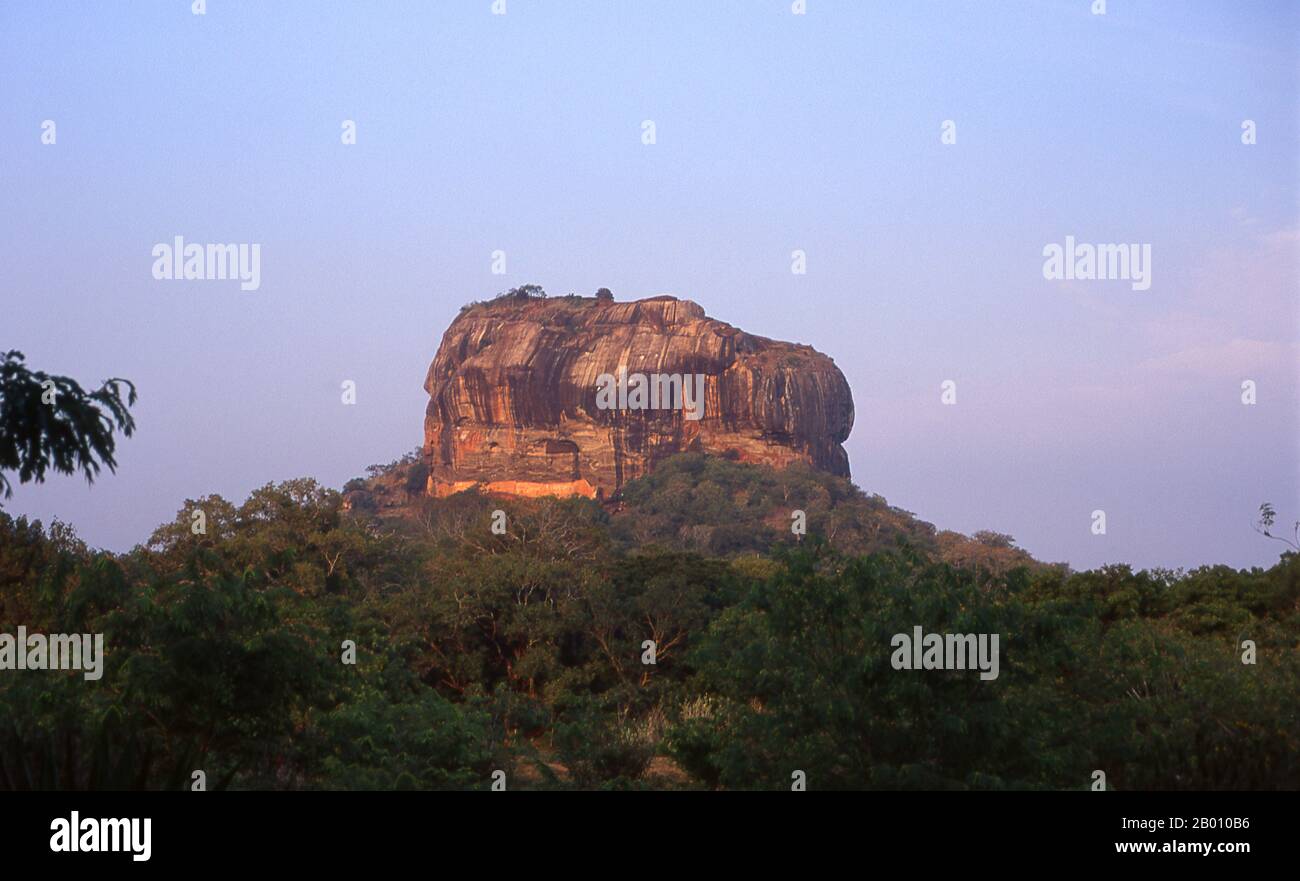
(513, 403)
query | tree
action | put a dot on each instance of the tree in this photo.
(604, 294)
(523, 292)
(1265, 523)
(993, 539)
(51, 422)
(802, 667)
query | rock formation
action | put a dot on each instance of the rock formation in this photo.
(518, 403)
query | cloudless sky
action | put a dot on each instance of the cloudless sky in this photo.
(775, 132)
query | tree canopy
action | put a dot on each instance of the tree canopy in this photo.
(525, 650)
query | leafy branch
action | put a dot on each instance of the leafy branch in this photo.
(51, 422)
(1264, 526)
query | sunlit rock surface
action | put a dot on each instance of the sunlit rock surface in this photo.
(513, 396)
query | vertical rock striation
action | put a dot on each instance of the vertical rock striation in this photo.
(513, 396)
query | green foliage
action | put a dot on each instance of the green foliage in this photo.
(524, 651)
(523, 292)
(1138, 674)
(801, 669)
(715, 506)
(51, 422)
(202, 670)
(605, 747)
(417, 475)
(423, 742)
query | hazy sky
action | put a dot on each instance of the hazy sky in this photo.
(774, 132)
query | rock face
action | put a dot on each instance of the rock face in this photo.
(518, 404)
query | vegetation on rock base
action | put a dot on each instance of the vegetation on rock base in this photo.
(523, 651)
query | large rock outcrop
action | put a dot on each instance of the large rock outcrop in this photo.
(516, 385)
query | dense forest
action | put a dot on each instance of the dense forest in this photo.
(515, 641)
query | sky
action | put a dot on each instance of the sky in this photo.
(773, 132)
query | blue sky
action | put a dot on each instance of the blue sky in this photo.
(774, 132)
